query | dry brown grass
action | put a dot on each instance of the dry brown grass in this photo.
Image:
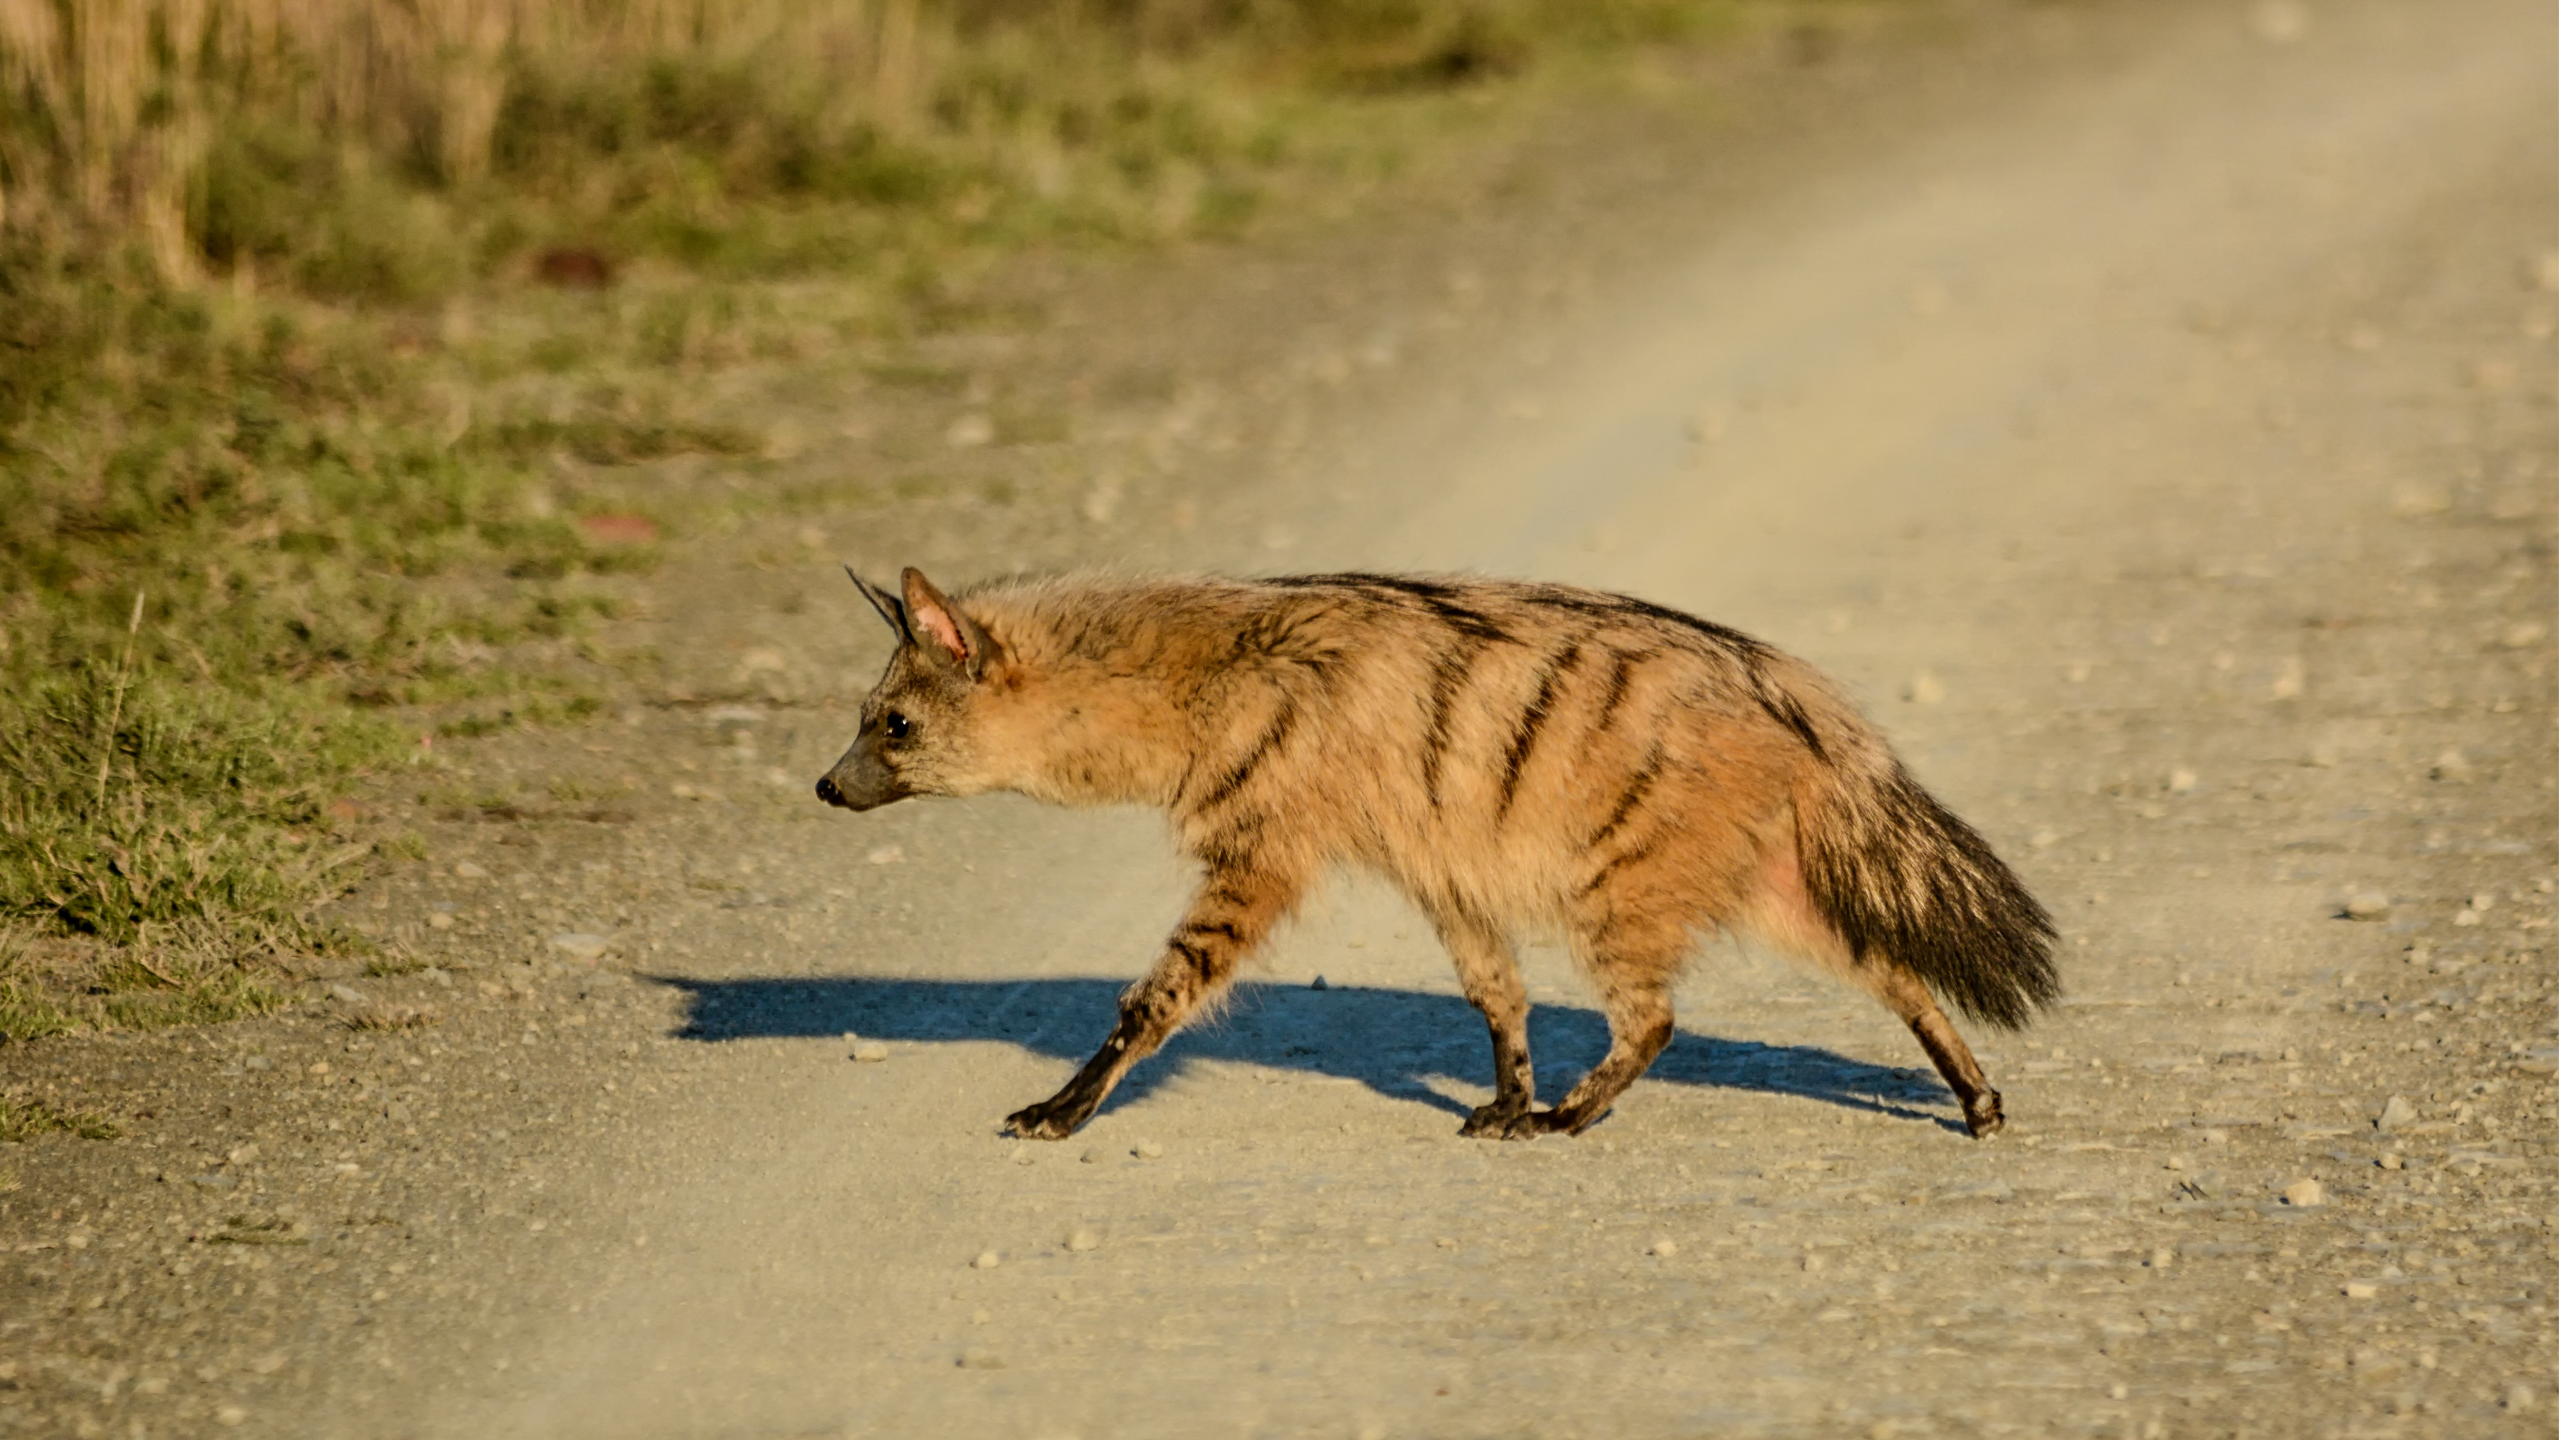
(120, 97)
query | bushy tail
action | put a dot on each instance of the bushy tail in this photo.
(1895, 872)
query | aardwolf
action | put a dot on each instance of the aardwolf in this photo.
(1514, 757)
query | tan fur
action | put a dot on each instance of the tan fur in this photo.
(1518, 759)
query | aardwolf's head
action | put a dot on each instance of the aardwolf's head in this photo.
(916, 730)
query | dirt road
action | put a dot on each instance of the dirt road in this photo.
(2153, 423)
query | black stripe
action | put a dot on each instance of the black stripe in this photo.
(1199, 958)
(1272, 736)
(1781, 706)
(1619, 673)
(1448, 675)
(1221, 927)
(1629, 798)
(1532, 720)
(1442, 599)
(1617, 862)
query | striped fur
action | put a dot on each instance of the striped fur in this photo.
(1517, 758)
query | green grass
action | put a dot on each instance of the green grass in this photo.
(24, 1117)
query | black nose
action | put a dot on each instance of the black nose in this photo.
(828, 792)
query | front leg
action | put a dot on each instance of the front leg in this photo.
(1237, 906)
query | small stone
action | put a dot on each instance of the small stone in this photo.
(1924, 688)
(2044, 839)
(1081, 1241)
(975, 1358)
(440, 920)
(468, 871)
(2519, 1397)
(1147, 1150)
(317, 1067)
(2452, 766)
(2396, 1112)
(1092, 1157)
(2466, 918)
(969, 432)
(241, 1155)
(1318, 984)
(578, 945)
(2368, 905)
(348, 993)
(2305, 1194)
(267, 1364)
(987, 1260)
(435, 976)
(2181, 781)
(1663, 1249)
(2393, 1161)
(1444, 1243)
(886, 855)
(2360, 1289)
(870, 1052)
(212, 1182)
(2163, 1258)
(258, 1062)
(230, 1415)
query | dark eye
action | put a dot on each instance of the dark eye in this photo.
(896, 725)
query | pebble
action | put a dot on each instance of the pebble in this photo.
(1924, 688)
(1147, 1150)
(974, 1358)
(347, 993)
(439, 920)
(231, 1415)
(468, 871)
(1092, 1157)
(987, 1260)
(2452, 765)
(886, 855)
(1081, 1241)
(258, 1062)
(870, 1052)
(578, 945)
(2519, 1397)
(2368, 905)
(1318, 984)
(2361, 1289)
(2181, 781)
(212, 1182)
(1663, 1249)
(2305, 1193)
(2396, 1112)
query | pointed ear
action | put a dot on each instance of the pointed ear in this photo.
(943, 629)
(891, 612)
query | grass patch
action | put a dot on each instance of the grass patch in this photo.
(23, 1117)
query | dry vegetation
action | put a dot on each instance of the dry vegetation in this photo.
(267, 488)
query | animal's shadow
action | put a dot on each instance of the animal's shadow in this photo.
(1393, 1041)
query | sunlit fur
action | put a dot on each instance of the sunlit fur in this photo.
(1519, 759)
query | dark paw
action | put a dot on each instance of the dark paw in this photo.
(1983, 1116)
(1494, 1121)
(1044, 1121)
(1516, 1122)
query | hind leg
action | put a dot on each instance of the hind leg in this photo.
(1635, 975)
(1490, 975)
(1904, 994)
